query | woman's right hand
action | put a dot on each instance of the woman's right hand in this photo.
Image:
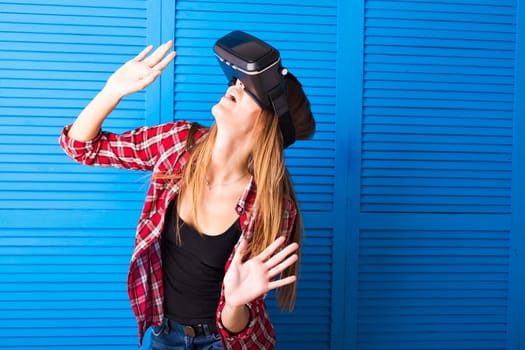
(133, 76)
(141, 71)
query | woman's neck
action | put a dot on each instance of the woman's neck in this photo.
(229, 160)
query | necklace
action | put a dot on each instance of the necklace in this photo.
(212, 186)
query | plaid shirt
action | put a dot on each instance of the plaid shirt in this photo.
(162, 149)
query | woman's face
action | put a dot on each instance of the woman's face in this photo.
(236, 109)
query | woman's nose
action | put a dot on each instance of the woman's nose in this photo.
(239, 84)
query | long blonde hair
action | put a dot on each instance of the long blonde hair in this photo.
(274, 186)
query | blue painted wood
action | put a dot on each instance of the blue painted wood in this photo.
(516, 322)
(436, 177)
(66, 231)
(350, 139)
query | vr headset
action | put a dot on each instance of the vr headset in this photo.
(258, 66)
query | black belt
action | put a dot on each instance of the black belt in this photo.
(195, 330)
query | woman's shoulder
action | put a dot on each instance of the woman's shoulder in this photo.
(179, 131)
(175, 138)
(179, 126)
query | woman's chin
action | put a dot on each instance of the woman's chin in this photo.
(219, 111)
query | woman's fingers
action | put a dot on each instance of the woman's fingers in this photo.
(274, 271)
(280, 256)
(165, 61)
(143, 53)
(270, 250)
(281, 282)
(158, 54)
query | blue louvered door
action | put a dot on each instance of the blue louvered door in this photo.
(305, 33)
(66, 231)
(435, 175)
(410, 189)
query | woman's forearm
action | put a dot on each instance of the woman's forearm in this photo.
(88, 123)
(235, 318)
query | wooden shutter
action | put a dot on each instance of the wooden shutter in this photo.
(66, 231)
(305, 33)
(437, 136)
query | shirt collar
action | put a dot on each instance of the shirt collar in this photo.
(248, 196)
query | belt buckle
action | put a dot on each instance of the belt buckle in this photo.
(189, 331)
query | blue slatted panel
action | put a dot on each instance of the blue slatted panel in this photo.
(305, 32)
(66, 231)
(436, 174)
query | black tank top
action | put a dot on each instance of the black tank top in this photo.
(193, 272)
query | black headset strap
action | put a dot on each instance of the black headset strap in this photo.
(280, 106)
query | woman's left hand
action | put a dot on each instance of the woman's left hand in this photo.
(246, 281)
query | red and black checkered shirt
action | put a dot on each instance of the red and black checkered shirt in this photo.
(162, 149)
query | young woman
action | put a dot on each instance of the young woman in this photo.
(220, 225)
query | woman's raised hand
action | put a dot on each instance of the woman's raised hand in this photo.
(140, 71)
(246, 281)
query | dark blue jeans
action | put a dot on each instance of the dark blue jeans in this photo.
(170, 336)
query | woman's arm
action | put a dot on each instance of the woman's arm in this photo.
(136, 149)
(133, 76)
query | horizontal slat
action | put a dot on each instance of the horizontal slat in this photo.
(508, 9)
(434, 155)
(418, 293)
(51, 324)
(59, 341)
(25, 262)
(66, 347)
(414, 23)
(425, 148)
(69, 196)
(467, 96)
(435, 286)
(482, 338)
(189, 24)
(66, 102)
(304, 9)
(124, 250)
(263, 18)
(78, 9)
(437, 43)
(474, 35)
(481, 222)
(502, 57)
(206, 37)
(424, 277)
(465, 16)
(499, 84)
(454, 240)
(443, 68)
(505, 3)
(62, 305)
(72, 204)
(134, 18)
(136, 4)
(471, 165)
(55, 28)
(433, 302)
(479, 326)
(79, 287)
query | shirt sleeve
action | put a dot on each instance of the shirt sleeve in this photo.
(136, 149)
(259, 334)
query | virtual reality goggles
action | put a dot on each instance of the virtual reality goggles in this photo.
(258, 66)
